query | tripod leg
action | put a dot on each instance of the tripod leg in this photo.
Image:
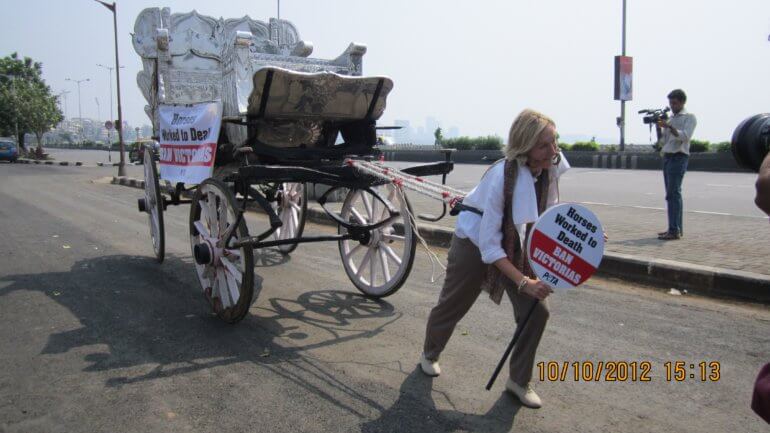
(516, 334)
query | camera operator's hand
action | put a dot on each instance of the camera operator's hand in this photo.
(663, 124)
(537, 289)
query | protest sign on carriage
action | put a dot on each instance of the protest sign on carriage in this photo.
(566, 246)
(188, 141)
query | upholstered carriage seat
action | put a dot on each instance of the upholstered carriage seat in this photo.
(292, 108)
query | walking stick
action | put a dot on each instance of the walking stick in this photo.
(516, 334)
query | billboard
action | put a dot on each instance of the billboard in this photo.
(624, 66)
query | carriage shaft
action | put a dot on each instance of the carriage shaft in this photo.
(255, 243)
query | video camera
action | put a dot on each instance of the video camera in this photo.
(751, 141)
(653, 115)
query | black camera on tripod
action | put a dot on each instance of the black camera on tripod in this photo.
(751, 141)
(653, 115)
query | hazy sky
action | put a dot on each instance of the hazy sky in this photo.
(473, 65)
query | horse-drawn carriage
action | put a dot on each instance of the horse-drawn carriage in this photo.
(287, 120)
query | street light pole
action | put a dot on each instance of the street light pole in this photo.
(122, 165)
(111, 118)
(64, 93)
(109, 73)
(622, 101)
(80, 114)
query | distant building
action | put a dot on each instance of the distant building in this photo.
(75, 130)
(431, 124)
(403, 135)
(421, 135)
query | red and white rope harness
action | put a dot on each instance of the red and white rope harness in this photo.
(443, 193)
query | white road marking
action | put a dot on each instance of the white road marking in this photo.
(714, 213)
(662, 209)
(619, 205)
(721, 185)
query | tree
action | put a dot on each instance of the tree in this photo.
(490, 142)
(42, 111)
(439, 136)
(26, 102)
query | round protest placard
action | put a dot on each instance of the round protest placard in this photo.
(566, 246)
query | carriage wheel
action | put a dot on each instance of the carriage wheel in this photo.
(291, 209)
(380, 266)
(226, 274)
(153, 205)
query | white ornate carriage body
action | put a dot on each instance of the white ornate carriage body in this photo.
(260, 71)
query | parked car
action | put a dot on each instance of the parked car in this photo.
(136, 151)
(8, 150)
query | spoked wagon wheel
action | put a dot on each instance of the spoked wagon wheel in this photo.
(291, 208)
(153, 205)
(379, 266)
(226, 274)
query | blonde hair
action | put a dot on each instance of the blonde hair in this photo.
(525, 130)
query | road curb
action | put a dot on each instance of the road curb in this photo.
(705, 280)
(48, 162)
(708, 280)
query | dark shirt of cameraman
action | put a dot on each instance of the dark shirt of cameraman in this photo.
(762, 199)
(675, 134)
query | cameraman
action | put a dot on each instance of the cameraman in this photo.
(675, 135)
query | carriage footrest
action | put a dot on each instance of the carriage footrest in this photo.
(430, 169)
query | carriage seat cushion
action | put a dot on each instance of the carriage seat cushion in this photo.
(283, 94)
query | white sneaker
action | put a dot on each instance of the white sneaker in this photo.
(429, 367)
(527, 396)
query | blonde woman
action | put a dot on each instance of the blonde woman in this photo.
(487, 251)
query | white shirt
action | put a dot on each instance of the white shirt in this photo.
(684, 123)
(486, 232)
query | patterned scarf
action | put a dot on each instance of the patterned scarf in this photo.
(495, 282)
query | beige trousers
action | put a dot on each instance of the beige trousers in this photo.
(462, 287)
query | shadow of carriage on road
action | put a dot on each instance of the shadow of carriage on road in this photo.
(269, 257)
(147, 314)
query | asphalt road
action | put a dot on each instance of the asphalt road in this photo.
(86, 156)
(724, 194)
(96, 336)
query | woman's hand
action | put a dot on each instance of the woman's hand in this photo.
(537, 289)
